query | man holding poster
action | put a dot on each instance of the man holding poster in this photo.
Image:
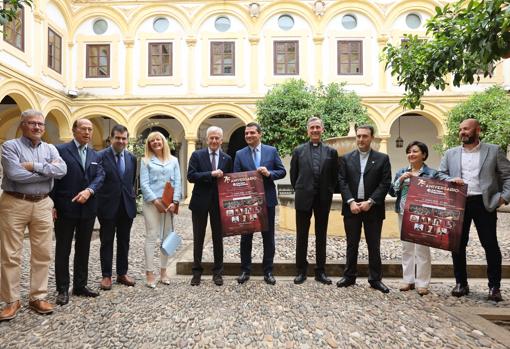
(205, 167)
(486, 170)
(265, 160)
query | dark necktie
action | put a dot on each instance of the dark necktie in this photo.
(120, 167)
(213, 160)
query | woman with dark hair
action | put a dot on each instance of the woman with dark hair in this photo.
(413, 254)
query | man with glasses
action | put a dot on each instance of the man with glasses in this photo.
(75, 210)
(30, 166)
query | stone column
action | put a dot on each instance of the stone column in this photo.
(382, 40)
(255, 67)
(318, 40)
(191, 142)
(383, 145)
(128, 75)
(191, 42)
(38, 42)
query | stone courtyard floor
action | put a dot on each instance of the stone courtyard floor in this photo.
(256, 315)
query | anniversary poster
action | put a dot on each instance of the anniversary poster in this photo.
(433, 213)
(242, 203)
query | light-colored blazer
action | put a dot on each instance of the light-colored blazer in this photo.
(494, 173)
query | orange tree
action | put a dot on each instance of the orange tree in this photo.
(466, 39)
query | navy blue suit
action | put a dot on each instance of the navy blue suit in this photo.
(73, 216)
(270, 159)
(116, 211)
(204, 201)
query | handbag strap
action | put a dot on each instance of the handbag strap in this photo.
(163, 225)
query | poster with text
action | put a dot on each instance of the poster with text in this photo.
(242, 203)
(434, 213)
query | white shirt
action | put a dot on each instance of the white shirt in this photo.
(470, 169)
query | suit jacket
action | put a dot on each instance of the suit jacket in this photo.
(117, 189)
(494, 175)
(376, 179)
(301, 175)
(76, 180)
(205, 189)
(271, 160)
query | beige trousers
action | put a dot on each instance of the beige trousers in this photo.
(155, 222)
(17, 214)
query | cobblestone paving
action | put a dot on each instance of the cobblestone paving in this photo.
(252, 315)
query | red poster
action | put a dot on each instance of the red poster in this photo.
(242, 203)
(434, 213)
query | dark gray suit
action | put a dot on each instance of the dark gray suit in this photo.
(494, 179)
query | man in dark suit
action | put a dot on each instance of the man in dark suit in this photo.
(116, 206)
(204, 168)
(313, 175)
(364, 177)
(75, 210)
(485, 169)
(265, 160)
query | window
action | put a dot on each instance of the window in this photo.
(286, 58)
(160, 59)
(350, 58)
(222, 24)
(54, 51)
(98, 61)
(413, 21)
(100, 26)
(349, 22)
(222, 58)
(161, 24)
(285, 22)
(14, 31)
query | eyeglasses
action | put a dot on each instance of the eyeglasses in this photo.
(34, 124)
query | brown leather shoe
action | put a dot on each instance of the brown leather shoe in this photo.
(10, 311)
(422, 291)
(106, 283)
(41, 306)
(406, 287)
(125, 280)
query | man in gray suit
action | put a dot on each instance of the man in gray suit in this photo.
(486, 170)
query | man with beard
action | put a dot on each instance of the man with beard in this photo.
(486, 171)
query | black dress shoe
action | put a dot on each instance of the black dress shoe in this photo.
(269, 279)
(62, 298)
(378, 285)
(243, 277)
(85, 292)
(323, 278)
(346, 282)
(300, 278)
(460, 290)
(195, 280)
(218, 280)
(495, 295)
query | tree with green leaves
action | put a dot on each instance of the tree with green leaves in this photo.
(467, 39)
(11, 7)
(491, 108)
(286, 108)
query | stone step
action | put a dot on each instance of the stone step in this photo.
(391, 269)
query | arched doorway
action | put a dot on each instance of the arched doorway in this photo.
(236, 142)
(413, 127)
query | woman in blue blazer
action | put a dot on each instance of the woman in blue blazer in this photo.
(417, 152)
(158, 166)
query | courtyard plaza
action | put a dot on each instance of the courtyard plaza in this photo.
(257, 315)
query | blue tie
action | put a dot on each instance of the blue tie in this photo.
(82, 150)
(120, 164)
(256, 157)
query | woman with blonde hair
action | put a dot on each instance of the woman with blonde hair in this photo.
(158, 167)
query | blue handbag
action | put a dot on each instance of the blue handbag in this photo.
(171, 242)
